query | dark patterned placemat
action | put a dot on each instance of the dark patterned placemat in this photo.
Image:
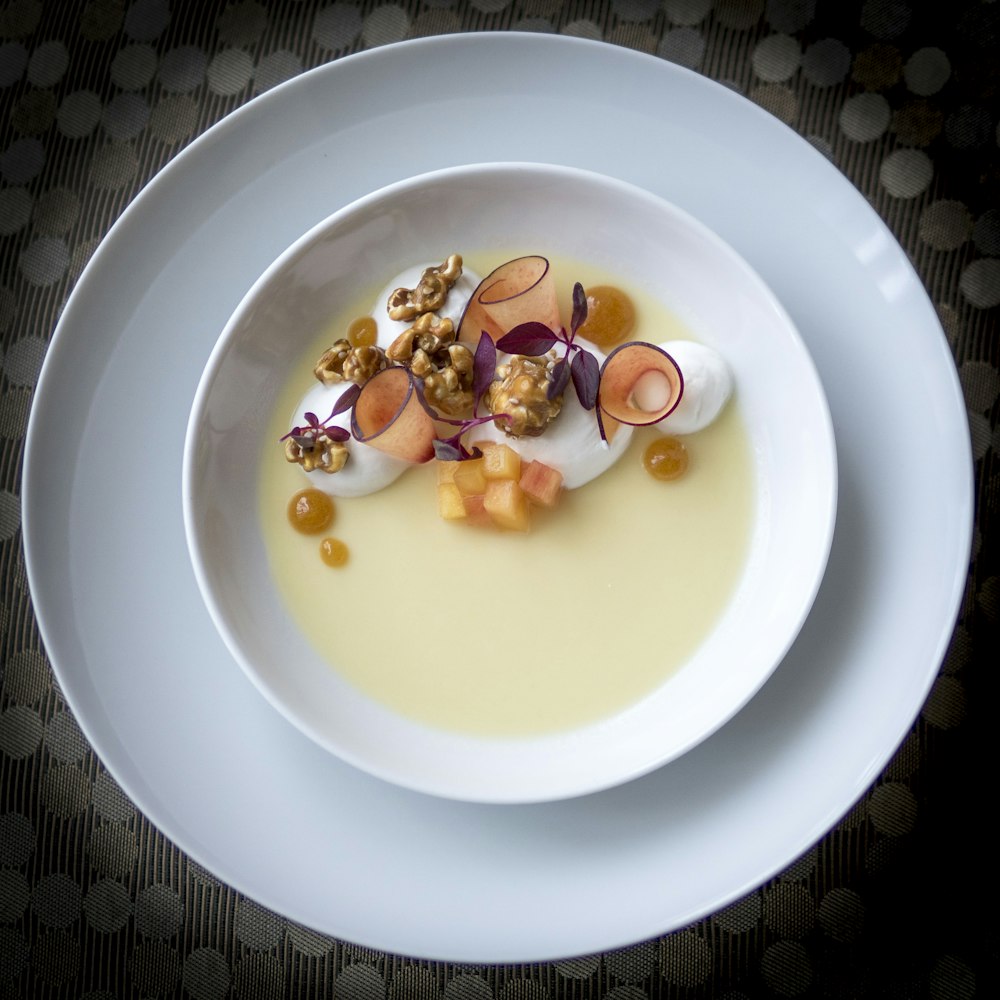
(897, 900)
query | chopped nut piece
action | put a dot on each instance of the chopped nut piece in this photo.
(344, 363)
(430, 293)
(520, 390)
(429, 333)
(448, 386)
(317, 453)
(429, 350)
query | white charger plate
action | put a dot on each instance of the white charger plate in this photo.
(256, 802)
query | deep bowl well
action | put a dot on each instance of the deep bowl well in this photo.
(566, 212)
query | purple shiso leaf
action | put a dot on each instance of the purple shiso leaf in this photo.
(338, 434)
(346, 401)
(311, 419)
(579, 309)
(531, 339)
(586, 374)
(559, 381)
(484, 366)
(445, 451)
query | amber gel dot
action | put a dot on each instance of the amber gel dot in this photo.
(310, 511)
(610, 316)
(666, 458)
(333, 552)
(362, 332)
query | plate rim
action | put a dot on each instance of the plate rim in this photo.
(231, 122)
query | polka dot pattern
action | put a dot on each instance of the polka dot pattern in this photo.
(826, 63)
(56, 900)
(20, 732)
(15, 210)
(206, 975)
(927, 71)
(865, 117)
(48, 64)
(107, 906)
(17, 839)
(229, 72)
(22, 160)
(336, 27)
(56, 211)
(13, 62)
(14, 896)
(777, 58)
(684, 46)
(158, 912)
(182, 69)
(113, 850)
(64, 740)
(98, 96)
(133, 67)
(906, 173)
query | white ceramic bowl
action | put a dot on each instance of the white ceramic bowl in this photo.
(572, 213)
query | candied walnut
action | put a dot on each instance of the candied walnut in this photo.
(448, 382)
(316, 452)
(430, 293)
(429, 333)
(429, 350)
(520, 390)
(344, 363)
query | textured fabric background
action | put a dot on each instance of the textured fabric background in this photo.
(899, 899)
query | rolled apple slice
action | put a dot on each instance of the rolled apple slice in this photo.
(640, 384)
(389, 415)
(520, 291)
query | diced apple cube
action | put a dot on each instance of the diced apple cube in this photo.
(500, 461)
(541, 483)
(475, 511)
(450, 505)
(507, 505)
(445, 471)
(469, 477)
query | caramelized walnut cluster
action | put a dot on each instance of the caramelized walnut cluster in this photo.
(429, 349)
(345, 363)
(431, 291)
(317, 451)
(520, 389)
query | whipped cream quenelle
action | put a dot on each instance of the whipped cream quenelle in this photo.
(572, 443)
(453, 308)
(708, 385)
(367, 469)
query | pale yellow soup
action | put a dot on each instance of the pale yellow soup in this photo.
(507, 634)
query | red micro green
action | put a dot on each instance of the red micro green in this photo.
(307, 436)
(451, 449)
(483, 368)
(535, 339)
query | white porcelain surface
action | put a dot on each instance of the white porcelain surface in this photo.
(252, 799)
(561, 212)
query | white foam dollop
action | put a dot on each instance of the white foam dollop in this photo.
(453, 309)
(367, 469)
(708, 385)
